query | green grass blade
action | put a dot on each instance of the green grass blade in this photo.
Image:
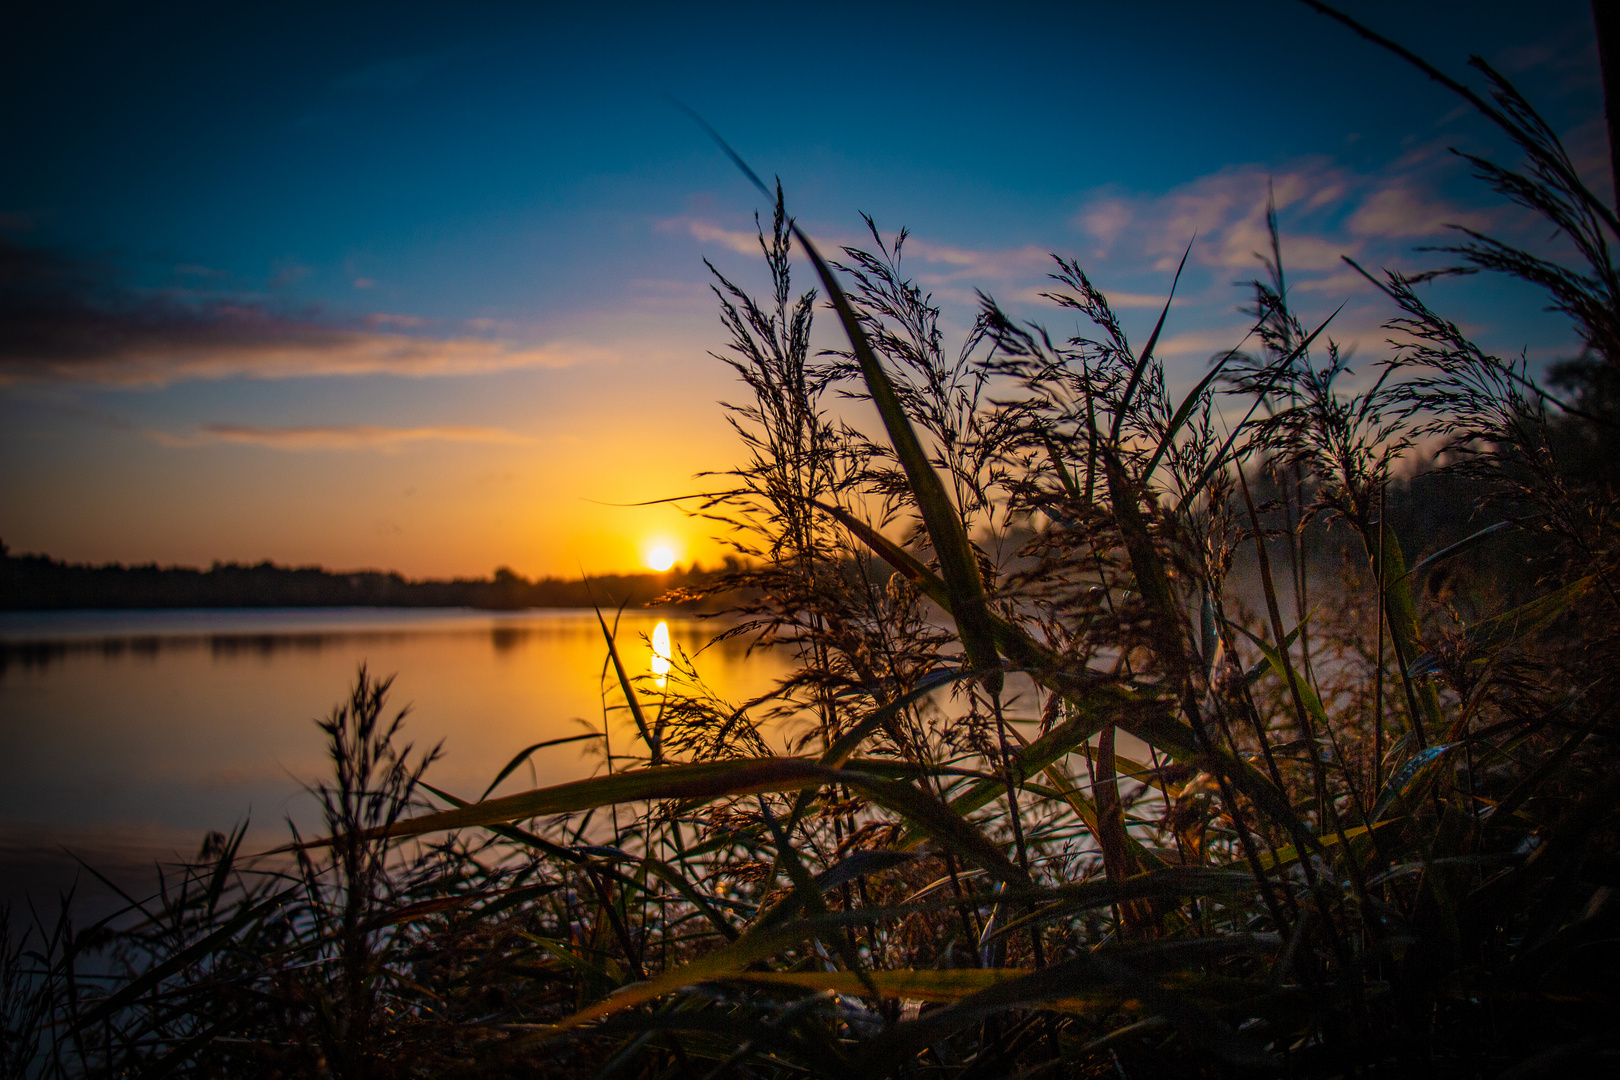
(660, 869)
(1146, 356)
(1529, 618)
(1152, 581)
(630, 697)
(1110, 832)
(1287, 672)
(1288, 853)
(523, 755)
(179, 961)
(710, 780)
(1410, 781)
(942, 823)
(1400, 611)
(1096, 696)
(807, 893)
(1278, 369)
(844, 747)
(1466, 544)
(1068, 481)
(1263, 665)
(1039, 989)
(703, 780)
(1184, 411)
(958, 564)
(927, 985)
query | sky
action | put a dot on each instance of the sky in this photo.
(422, 287)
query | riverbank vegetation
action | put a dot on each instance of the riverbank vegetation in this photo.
(1096, 771)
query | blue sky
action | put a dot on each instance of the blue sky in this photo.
(409, 286)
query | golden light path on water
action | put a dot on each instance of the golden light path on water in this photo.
(171, 724)
(660, 653)
(130, 735)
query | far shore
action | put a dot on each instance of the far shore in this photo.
(41, 583)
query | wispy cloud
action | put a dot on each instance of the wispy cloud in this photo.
(1327, 210)
(341, 437)
(60, 321)
(1404, 212)
(1200, 343)
(222, 345)
(707, 232)
(947, 263)
(949, 271)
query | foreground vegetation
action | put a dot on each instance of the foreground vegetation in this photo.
(1095, 772)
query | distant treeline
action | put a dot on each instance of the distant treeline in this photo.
(1428, 512)
(38, 582)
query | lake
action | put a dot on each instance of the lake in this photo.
(128, 735)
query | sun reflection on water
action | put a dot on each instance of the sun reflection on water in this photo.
(151, 728)
(660, 652)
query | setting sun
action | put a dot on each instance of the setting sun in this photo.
(661, 558)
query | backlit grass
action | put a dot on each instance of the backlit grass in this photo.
(1101, 769)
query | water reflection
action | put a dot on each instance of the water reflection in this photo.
(660, 653)
(189, 721)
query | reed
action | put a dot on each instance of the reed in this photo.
(1131, 740)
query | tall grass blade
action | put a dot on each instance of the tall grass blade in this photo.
(958, 564)
(1146, 355)
(1468, 543)
(523, 755)
(1410, 781)
(631, 698)
(1038, 989)
(1182, 414)
(180, 960)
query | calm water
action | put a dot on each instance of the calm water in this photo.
(128, 735)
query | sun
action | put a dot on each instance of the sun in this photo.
(661, 558)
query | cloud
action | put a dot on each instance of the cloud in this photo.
(404, 322)
(1398, 212)
(61, 321)
(948, 271)
(706, 232)
(1105, 219)
(1120, 301)
(949, 264)
(342, 437)
(1326, 210)
(1201, 343)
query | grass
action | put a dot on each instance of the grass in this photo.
(1131, 741)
